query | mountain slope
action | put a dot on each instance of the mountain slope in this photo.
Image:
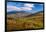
(30, 22)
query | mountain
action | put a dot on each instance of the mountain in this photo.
(35, 13)
(14, 12)
(28, 22)
(20, 14)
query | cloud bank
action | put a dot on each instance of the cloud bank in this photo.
(14, 8)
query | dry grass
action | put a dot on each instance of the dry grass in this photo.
(34, 22)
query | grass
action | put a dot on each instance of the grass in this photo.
(32, 22)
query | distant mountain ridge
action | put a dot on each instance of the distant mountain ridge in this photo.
(14, 12)
(27, 14)
(35, 13)
(23, 14)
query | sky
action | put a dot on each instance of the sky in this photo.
(28, 0)
(28, 7)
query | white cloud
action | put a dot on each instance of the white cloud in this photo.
(14, 8)
(26, 8)
(29, 5)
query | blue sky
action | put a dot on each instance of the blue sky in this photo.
(28, 7)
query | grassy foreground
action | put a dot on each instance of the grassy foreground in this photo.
(30, 22)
